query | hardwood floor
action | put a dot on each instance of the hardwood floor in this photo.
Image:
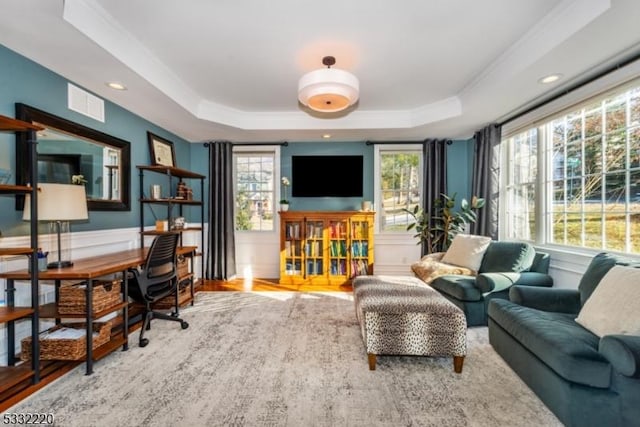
(257, 285)
(54, 370)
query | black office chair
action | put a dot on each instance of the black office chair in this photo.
(155, 280)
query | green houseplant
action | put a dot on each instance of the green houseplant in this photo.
(436, 230)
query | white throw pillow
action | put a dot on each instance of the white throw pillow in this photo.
(467, 251)
(614, 305)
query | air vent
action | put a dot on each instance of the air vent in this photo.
(85, 103)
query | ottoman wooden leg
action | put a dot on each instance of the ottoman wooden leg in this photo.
(457, 364)
(372, 361)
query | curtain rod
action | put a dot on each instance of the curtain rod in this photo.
(572, 88)
(449, 142)
(283, 144)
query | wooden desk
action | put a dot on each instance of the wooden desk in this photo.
(86, 269)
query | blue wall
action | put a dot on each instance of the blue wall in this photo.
(22, 80)
(324, 149)
(459, 170)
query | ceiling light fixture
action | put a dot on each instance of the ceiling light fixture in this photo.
(328, 90)
(116, 86)
(326, 136)
(550, 78)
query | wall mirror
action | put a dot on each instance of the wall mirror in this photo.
(69, 153)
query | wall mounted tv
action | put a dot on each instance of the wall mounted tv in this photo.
(326, 176)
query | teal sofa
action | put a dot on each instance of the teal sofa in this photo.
(504, 265)
(583, 379)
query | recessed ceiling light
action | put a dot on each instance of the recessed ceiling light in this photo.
(326, 136)
(550, 78)
(116, 86)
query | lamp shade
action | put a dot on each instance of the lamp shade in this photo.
(58, 202)
(328, 90)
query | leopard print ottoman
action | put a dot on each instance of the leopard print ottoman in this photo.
(401, 315)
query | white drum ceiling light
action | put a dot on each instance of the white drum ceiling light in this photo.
(328, 90)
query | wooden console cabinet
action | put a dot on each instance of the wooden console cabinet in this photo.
(325, 248)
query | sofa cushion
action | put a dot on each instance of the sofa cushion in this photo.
(599, 266)
(430, 267)
(556, 339)
(460, 287)
(614, 306)
(467, 251)
(502, 257)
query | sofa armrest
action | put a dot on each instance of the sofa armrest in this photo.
(623, 352)
(546, 299)
(494, 282)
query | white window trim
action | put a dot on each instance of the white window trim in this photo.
(617, 81)
(266, 149)
(391, 148)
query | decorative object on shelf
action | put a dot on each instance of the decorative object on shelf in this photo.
(78, 180)
(284, 202)
(328, 90)
(156, 192)
(366, 205)
(162, 225)
(59, 204)
(437, 230)
(5, 176)
(162, 151)
(184, 192)
(177, 223)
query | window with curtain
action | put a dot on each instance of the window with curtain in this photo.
(254, 191)
(520, 184)
(590, 193)
(399, 181)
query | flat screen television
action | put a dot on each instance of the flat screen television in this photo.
(326, 176)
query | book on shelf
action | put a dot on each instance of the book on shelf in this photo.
(292, 230)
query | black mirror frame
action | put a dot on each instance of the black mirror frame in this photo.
(31, 114)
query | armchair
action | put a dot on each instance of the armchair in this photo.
(504, 265)
(584, 379)
(155, 280)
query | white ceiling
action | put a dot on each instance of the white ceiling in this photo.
(228, 69)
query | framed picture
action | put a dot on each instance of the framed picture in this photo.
(162, 151)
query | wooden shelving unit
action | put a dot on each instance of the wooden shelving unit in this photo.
(16, 372)
(325, 248)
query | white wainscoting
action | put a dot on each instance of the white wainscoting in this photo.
(83, 244)
(258, 254)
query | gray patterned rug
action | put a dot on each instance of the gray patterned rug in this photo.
(284, 359)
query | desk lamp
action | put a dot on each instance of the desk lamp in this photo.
(59, 204)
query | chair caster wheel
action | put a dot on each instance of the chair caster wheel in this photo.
(184, 325)
(144, 342)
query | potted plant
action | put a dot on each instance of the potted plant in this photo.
(284, 202)
(435, 231)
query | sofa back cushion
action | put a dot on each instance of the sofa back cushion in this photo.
(614, 306)
(507, 257)
(599, 266)
(467, 251)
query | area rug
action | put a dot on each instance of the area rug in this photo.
(284, 359)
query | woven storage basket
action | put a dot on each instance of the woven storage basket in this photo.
(183, 266)
(73, 298)
(168, 302)
(67, 348)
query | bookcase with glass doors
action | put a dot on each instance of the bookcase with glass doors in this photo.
(325, 248)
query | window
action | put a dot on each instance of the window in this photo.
(590, 192)
(254, 190)
(399, 183)
(520, 179)
(595, 175)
